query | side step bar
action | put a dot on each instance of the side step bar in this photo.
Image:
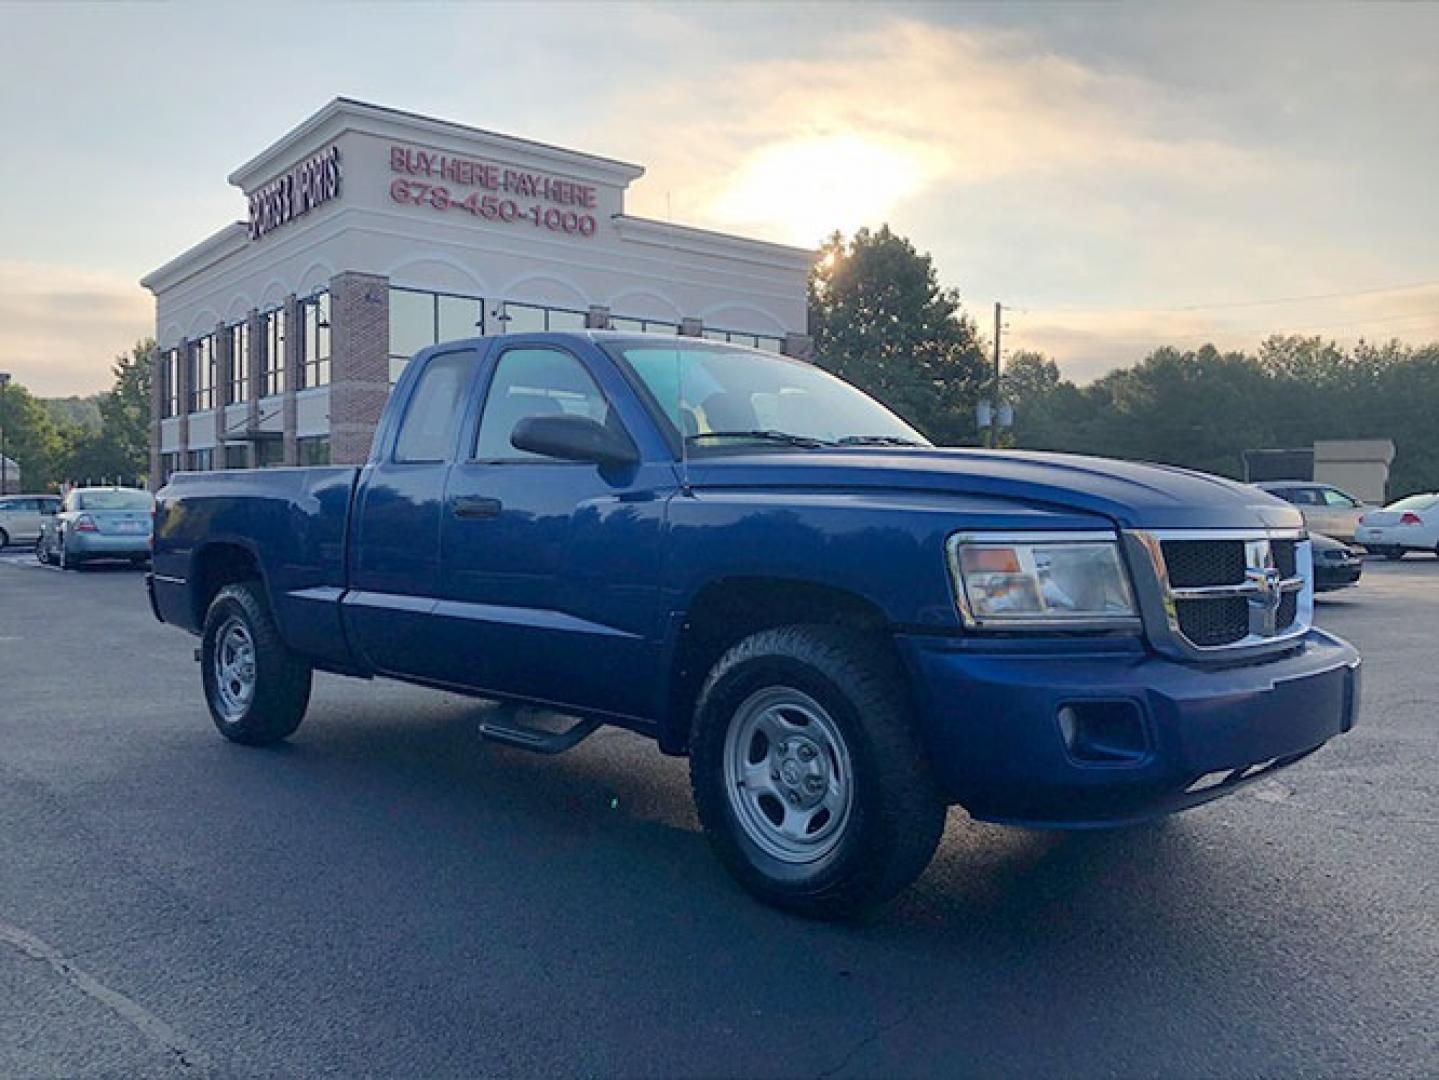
(508, 731)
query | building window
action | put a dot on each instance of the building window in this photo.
(239, 362)
(272, 352)
(419, 319)
(237, 456)
(315, 341)
(169, 465)
(314, 449)
(202, 374)
(767, 342)
(643, 326)
(170, 383)
(269, 453)
(201, 460)
(517, 318)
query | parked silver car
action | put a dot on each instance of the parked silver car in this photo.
(1326, 509)
(98, 523)
(22, 515)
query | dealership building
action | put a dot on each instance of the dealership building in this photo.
(373, 233)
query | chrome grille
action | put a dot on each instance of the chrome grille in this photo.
(1227, 590)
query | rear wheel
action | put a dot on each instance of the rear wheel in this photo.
(257, 690)
(1394, 554)
(4, 539)
(806, 775)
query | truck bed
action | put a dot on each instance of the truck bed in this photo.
(291, 522)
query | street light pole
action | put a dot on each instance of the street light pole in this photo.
(4, 416)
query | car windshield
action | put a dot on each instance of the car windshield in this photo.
(723, 396)
(112, 500)
(1414, 502)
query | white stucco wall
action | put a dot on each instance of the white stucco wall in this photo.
(634, 267)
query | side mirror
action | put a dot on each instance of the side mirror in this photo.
(573, 438)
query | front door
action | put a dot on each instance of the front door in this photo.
(551, 568)
(395, 553)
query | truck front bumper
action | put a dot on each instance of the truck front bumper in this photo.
(1108, 734)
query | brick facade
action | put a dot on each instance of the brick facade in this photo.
(182, 379)
(360, 363)
(294, 350)
(157, 410)
(256, 387)
(221, 392)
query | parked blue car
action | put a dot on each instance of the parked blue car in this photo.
(846, 629)
(97, 523)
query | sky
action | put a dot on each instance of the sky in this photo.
(1120, 177)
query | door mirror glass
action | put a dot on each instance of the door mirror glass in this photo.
(573, 438)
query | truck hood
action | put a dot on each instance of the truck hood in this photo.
(1131, 494)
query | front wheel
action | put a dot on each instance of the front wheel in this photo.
(807, 777)
(257, 690)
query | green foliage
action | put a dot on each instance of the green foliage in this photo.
(74, 411)
(58, 440)
(880, 319)
(32, 438)
(1203, 409)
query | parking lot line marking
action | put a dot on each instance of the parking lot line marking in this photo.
(127, 1009)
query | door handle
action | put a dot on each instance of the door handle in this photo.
(472, 507)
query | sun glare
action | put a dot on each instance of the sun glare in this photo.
(800, 191)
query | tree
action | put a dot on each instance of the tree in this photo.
(120, 447)
(32, 439)
(125, 410)
(880, 319)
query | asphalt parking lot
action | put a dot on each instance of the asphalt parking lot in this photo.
(388, 895)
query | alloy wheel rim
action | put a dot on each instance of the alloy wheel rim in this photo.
(788, 775)
(234, 667)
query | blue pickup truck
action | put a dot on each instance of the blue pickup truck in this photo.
(846, 629)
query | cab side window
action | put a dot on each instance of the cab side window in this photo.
(1335, 497)
(432, 418)
(534, 382)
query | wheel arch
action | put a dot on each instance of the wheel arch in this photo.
(216, 565)
(728, 610)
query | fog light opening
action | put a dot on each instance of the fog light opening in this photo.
(1103, 732)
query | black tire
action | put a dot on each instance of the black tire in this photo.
(896, 817)
(1394, 554)
(65, 560)
(279, 681)
(4, 539)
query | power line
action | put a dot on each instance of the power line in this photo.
(1272, 302)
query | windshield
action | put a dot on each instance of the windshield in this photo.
(725, 396)
(112, 500)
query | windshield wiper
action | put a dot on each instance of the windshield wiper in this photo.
(875, 440)
(788, 438)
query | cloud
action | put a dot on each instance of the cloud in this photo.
(794, 147)
(64, 326)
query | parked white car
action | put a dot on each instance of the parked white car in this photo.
(21, 517)
(1411, 524)
(1326, 510)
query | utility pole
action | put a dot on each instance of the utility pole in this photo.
(4, 417)
(994, 414)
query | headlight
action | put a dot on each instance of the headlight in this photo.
(1067, 581)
